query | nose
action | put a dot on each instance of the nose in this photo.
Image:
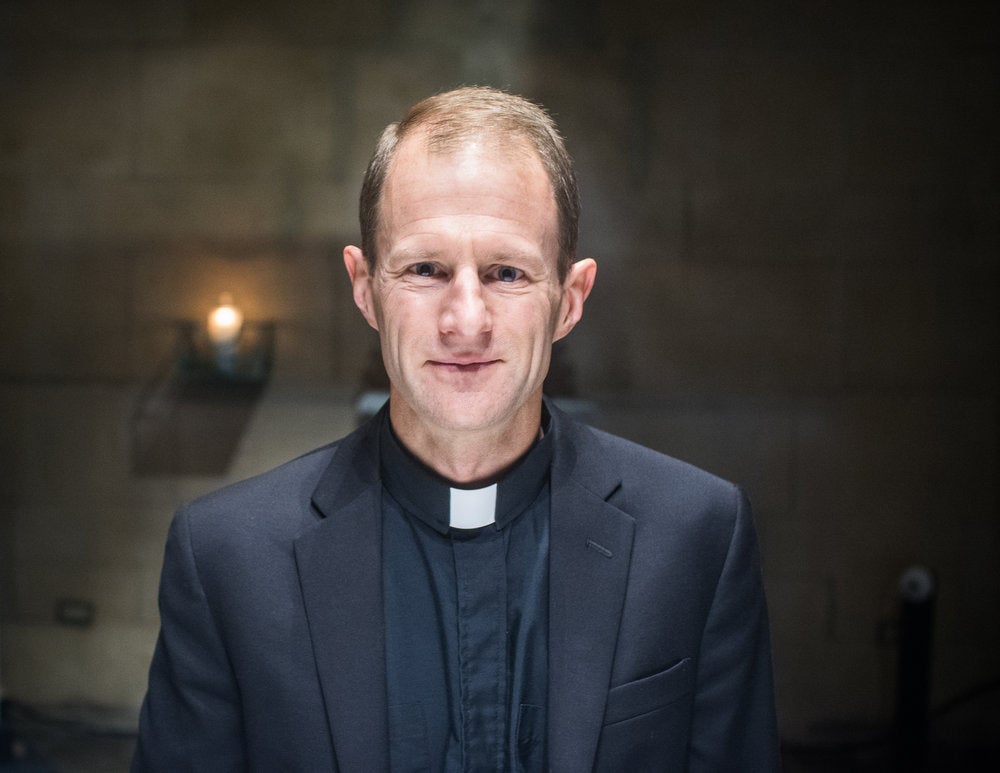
(465, 314)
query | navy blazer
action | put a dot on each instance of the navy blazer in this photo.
(271, 649)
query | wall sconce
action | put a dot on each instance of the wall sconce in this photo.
(190, 417)
(226, 348)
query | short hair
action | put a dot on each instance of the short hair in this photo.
(453, 117)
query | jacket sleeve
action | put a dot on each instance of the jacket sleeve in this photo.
(190, 717)
(734, 725)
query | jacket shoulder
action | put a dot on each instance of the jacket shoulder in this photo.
(276, 505)
(646, 474)
(283, 481)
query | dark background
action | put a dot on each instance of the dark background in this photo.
(794, 208)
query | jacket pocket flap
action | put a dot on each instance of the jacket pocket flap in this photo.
(650, 693)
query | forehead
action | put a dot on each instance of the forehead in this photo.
(482, 180)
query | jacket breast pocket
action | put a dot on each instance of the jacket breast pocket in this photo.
(650, 693)
(646, 722)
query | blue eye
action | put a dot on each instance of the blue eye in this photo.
(508, 274)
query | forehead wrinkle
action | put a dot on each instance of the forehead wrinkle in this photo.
(469, 160)
(482, 245)
(490, 235)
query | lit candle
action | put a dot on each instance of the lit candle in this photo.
(224, 322)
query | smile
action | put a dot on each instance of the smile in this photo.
(463, 367)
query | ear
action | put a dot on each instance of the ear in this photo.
(361, 282)
(579, 282)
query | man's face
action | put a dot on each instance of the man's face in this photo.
(465, 294)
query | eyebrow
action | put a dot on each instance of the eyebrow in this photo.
(411, 254)
(407, 255)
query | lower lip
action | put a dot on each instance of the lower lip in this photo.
(472, 367)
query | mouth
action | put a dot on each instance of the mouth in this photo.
(462, 366)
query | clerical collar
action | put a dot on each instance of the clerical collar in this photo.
(443, 505)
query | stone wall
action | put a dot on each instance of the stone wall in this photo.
(793, 207)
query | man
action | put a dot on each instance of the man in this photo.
(471, 580)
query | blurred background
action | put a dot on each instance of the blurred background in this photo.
(796, 213)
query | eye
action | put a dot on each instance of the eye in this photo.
(424, 269)
(508, 273)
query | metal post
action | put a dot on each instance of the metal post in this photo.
(917, 591)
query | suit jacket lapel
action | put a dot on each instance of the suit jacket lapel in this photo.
(590, 552)
(340, 572)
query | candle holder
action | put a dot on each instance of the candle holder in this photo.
(190, 417)
(245, 358)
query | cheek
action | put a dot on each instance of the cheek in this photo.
(400, 328)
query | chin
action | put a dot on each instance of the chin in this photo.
(478, 412)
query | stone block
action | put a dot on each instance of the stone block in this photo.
(785, 223)
(94, 22)
(965, 560)
(68, 448)
(768, 118)
(139, 211)
(755, 136)
(304, 22)
(921, 327)
(8, 575)
(628, 205)
(64, 313)
(853, 687)
(67, 111)
(45, 664)
(386, 84)
(71, 443)
(941, 451)
(918, 117)
(13, 196)
(929, 29)
(883, 483)
(736, 329)
(238, 110)
(950, 225)
(108, 557)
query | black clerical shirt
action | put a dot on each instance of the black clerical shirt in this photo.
(466, 615)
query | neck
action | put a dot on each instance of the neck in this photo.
(468, 456)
